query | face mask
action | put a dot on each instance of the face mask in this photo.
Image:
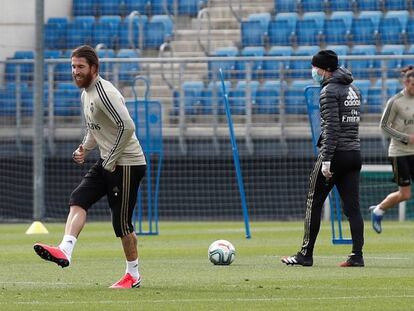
(316, 76)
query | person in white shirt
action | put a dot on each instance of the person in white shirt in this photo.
(116, 175)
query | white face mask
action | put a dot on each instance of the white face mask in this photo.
(316, 76)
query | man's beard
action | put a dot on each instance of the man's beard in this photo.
(85, 82)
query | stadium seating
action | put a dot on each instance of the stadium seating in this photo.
(139, 24)
(63, 71)
(190, 7)
(362, 69)
(67, 100)
(50, 54)
(410, 30)
(55, 32)
(310, 28)
(158, 30)
(128, 70)
(106, 68)
(342, 5)
(395, 5)
(26, 69)
(392, 27)
(271, 68)
(256, 67)
(302, 68)
(192, 92)
(313, 5)
(408, 62)
(268, 97)
(369, 5)
(84, 7)
(106, 31)
(254, 30)
(238, 97)
(141, 6)
(294, 97)
(227, 66)
(286, 6)
(212, 97)
(393, 65)
(341, 50)
(376, 98)
(363, 86)
(364, 29)
(80, 31)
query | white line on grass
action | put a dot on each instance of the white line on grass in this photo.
(104, 302)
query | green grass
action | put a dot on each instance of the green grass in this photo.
(178, 276)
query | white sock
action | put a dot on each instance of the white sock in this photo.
(378, 211)
(67, 245)
(132, 268)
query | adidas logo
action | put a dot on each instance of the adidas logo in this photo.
(352, 98)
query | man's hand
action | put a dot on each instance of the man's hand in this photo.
(79, 155)
(411, 139)
(326, 169)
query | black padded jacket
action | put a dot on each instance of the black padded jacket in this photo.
(340, 104)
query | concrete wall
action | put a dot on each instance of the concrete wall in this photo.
(17, 23)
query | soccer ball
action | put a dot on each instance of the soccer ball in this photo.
(221, 252)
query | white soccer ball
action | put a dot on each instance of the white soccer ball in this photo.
(221, 252)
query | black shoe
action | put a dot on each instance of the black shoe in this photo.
(353, 261)
(298, 259)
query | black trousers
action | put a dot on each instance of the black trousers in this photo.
(346, 167)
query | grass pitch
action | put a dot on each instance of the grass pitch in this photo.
(178, 276)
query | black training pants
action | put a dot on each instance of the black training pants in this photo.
(346, 167)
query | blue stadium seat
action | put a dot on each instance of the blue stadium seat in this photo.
(335, 32)
(55, 33)
(341, 50)
(192, 92)
(279, 33)
(106, 31)
(168, 23)
(313, 5)
(106, 68)
(393, 65)
(63, 71)
(271, 68)
(238, 96)
(190, 7)
(290, 17)
(342, 5)
(158, 30)
(212, 95)
(363, 86)
(142, 6)
(127, 71)
(375, 17)
(50, 54)
(392, 27)
(79, 31)
(84, 7)
(369, 5)
(110, 7)
(268, 97)
(255, 66)
(362, 69)
(263, 18)
(408, 62)
(286, 6)
(395, 5)
(346, 16)
(302, 68)
(26, 69)
(310, 28)
(363, 31)
(252, 33)
(7, 102)
(295, 102)
(162, 7)
(138, 30)
(376, 100)
(227, 66)
(410, 30)
(67, 100)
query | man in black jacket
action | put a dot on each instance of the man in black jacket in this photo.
(339, 159)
